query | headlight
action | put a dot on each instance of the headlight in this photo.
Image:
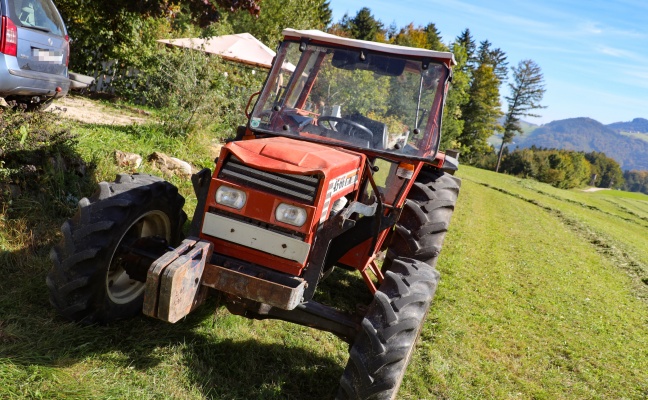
(231, 197)
(289, 214)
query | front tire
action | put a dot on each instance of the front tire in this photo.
(380, 354)
(88, 282)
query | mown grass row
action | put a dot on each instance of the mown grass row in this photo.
(530, 305)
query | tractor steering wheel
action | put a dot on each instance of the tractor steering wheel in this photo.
(353, 127)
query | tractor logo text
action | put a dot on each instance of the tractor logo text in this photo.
(342, 182)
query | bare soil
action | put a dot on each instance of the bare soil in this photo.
(93, 112)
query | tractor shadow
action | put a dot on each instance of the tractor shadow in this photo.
(32, 336)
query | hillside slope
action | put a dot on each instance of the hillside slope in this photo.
(586, 134)
(636, 125)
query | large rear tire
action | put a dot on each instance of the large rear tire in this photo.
(88, 282)
(380, 355)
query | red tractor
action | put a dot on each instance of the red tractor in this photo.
(338, 166)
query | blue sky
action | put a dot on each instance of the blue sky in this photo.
(593, 54)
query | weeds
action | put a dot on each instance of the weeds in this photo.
(39, 166)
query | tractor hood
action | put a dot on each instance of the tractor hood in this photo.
(284, 155)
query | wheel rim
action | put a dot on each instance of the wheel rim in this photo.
(120, 287)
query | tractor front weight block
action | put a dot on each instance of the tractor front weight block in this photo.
(173, 286)
(178, 281)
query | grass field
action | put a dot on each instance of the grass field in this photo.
(543, 295)
(636, 135)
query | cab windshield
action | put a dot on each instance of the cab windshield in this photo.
(353, 98)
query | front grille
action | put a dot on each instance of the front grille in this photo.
(302, 188)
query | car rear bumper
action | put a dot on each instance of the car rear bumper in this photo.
(19, 82)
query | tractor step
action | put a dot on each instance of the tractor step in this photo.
(255, 283)
(173, 287)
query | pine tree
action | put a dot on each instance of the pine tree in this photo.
(364, 26)
(527, 90)
(434, 41)
(494, 57)
(325, 14)
(481, 112)
(466, 40)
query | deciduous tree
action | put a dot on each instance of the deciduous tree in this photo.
(277, 15)
(453, 124)
(607, 170)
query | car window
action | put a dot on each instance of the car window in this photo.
(37, 14)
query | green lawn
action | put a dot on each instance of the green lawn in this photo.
(543, 294)
(636, 135)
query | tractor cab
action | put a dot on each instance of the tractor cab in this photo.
(366, 96)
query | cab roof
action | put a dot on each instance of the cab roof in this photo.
(317, 35)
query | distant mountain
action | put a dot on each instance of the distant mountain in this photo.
(496, 139)
(636, 125)
(586, 134)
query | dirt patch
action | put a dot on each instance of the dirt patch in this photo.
(92, 112)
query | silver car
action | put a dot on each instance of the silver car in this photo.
(34, 52)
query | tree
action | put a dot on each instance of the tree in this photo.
(607, 170)
(527, 90)
(453, 124)
(411, 37)
(364, 26)
(434, 38)
(277, 15)
(563, 169)
(466, 40)
(392, 30)
(636, 181)
(481, 112)
(325, 14)
(126, 30)
(495, 58)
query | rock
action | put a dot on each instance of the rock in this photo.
(183, 166)
(170, 165)
(125, 159)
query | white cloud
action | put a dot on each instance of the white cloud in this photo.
(614, 52)
(590, 27)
